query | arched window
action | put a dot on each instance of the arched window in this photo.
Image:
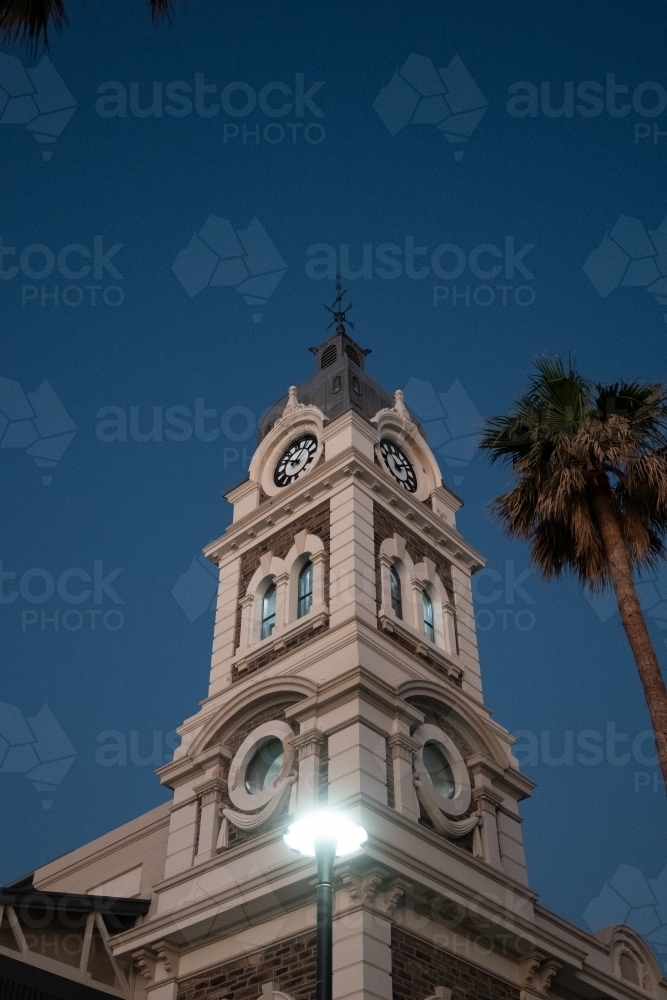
(396, 598)
(629, 970)
(305, 590)
(428, 616)
(268, 611)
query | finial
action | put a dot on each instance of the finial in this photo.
(292, 401)
(337, 311)
(399, 404)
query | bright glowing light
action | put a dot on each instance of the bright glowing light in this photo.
(325, 824)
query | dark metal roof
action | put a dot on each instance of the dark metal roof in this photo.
(21, 980)
(74, 902)
(340, 384)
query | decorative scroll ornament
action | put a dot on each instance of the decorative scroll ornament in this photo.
(443, 810)
(253, 809)
(251, 821)
(449, 827)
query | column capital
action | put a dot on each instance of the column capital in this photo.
(402, 746)
(309, 744)
(487, 799)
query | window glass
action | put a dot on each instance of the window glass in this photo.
(396, 598)
(305, 590)
(265, 766)
(268, 611)
(439, 770)
(428, 616)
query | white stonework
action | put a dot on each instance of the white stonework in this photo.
(365, 699)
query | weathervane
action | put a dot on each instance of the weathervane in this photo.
(337, 311)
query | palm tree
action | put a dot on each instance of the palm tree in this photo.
(29, 20)
(590, 463)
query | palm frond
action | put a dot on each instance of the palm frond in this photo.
(563, 438)
(29, 21)
(160, 9)
(643, 408)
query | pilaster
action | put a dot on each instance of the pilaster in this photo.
(309, 747)
(401, 751)
(357, 764)
(467, 634)
(182, 837)
(352, 561)
(210, 794)
(225, 626)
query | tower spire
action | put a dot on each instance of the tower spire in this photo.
(337, 311)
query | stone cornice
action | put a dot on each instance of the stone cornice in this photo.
(319, 484)
(354, 682)
(450, 663)
(400, 745)
(335, 640)
(279, 637)
(291, 881)
(291, 886)
(309, 743)
(508, 778)
(184, 768)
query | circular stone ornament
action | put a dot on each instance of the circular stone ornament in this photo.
(442, 771)
(261, 766)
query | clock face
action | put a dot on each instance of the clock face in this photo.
(399, 465)
(295, 460)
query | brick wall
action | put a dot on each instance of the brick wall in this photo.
(316, 522)
(268, 714)
(436, 714)
(386, 526)
(418, 968)
(252, 666)
(290, 963)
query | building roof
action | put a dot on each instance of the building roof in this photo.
(340, 384)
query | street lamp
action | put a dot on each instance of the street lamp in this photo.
(325, 835)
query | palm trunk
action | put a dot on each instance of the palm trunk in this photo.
(620, 572)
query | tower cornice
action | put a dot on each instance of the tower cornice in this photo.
(320, 483)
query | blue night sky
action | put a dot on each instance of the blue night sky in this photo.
(461, 270)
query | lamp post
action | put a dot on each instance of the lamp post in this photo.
(325, 835)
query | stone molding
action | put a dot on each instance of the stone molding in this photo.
(356, 682)
(184, 768)
(427, 650)
(309, 744)
(441, 993)
(341, 467)
(487, 799)
(279, 639)
(537, 973)
(213, 788)
(373, 889)
(402, 747)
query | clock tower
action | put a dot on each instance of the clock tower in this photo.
(344, 673)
